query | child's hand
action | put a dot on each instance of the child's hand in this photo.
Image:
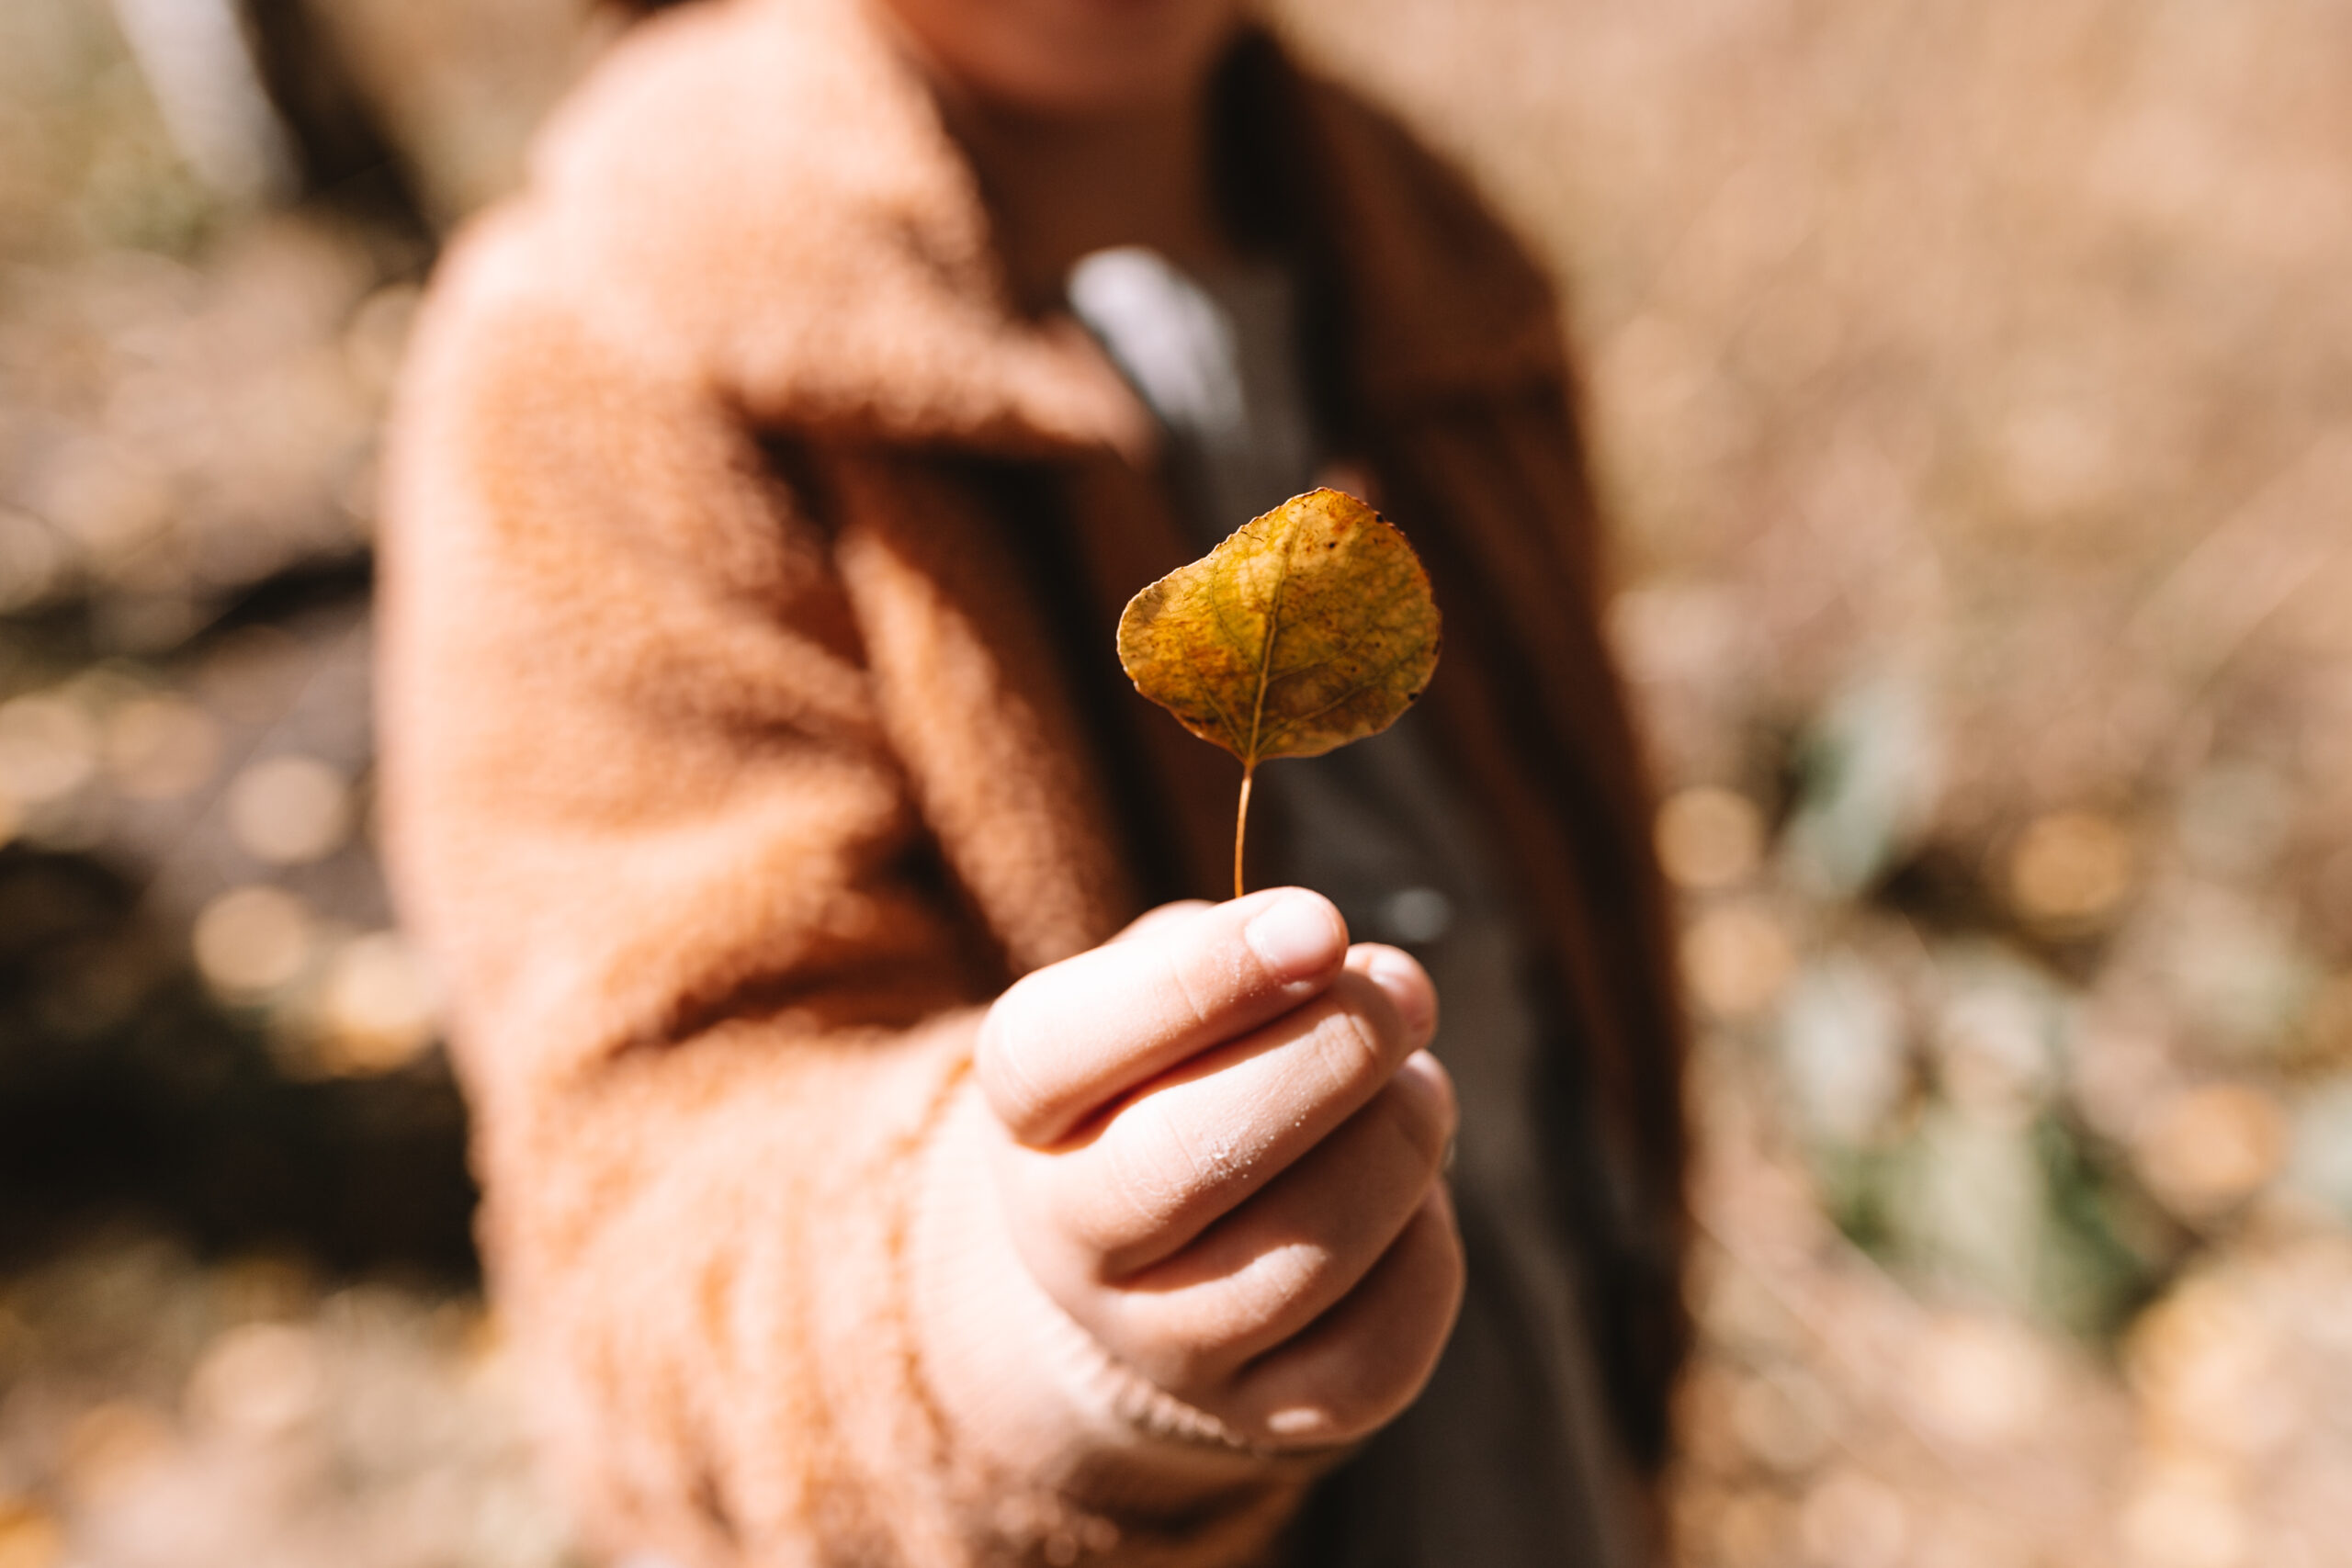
(1220, 1154)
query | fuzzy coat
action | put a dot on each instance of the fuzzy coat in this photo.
(752, 718)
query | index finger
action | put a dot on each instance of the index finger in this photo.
(1155, 922)
(1069, 1039)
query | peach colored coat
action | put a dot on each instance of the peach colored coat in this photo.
(751, 717)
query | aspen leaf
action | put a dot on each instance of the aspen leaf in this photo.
(1310, 628)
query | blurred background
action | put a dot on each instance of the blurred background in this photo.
(1971, 383)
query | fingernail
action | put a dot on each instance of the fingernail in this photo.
(1295, 935)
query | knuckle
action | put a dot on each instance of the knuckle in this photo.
(1269, 1291)
(1000, 1062)
(1148, 1179)
(1420, 1101)
(1166, 1342)
(1357, 1407)
(1244, 1304)
(1350, 1404)
(1184, 986)
(1386, 1360)
(1205, 1330)
(1350, 1049)
(1422, 1123)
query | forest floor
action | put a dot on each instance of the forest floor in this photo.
(1969, 389)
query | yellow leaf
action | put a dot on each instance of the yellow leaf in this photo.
(1310, 628)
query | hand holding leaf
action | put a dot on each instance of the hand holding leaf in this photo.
(1310, 628)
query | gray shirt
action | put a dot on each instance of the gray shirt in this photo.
(1507, 1458)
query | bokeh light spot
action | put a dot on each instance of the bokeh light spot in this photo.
(49, 748)
(161, 748)
(380, 1010)
(2207, 1149)
(251, 940)
(259, 1381)
(1710, 837)
(289, 810)
(1737, 960)
(2070, 869)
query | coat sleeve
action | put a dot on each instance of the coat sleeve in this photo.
(712, 997)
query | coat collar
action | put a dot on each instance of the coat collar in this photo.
(762, 192)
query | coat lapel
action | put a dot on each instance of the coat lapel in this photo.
(976, 708)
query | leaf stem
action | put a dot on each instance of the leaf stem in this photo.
(1242, 827)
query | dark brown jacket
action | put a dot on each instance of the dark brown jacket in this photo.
(751, 717)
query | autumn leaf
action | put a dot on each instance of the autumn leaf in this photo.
(1310, 628)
